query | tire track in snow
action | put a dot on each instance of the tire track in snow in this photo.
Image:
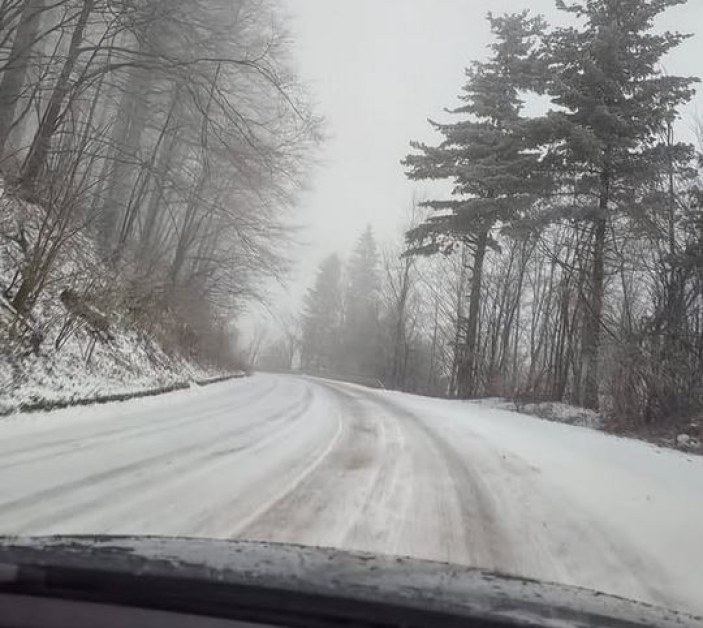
(252, 521)
(467, 521)
(187, 457)
(358, 469)
(585, 549)
(444, 513)
(204, 506)
(379, 489)
(321, 507)
(485, 543)
(136, 430)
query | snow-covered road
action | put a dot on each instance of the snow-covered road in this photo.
(295, 460)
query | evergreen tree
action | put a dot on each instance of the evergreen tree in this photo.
(488, 156)
(322, 318)
(361, 312)
(614, 107)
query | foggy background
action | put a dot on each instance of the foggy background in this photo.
(377, 70)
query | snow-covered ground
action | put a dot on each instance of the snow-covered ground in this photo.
(297, 460)
(549, 410)
(80, 367)
(128, 365)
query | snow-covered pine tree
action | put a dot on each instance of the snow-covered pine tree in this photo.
(361, 311)
(487, 155)
(322, 318)
(614, 104)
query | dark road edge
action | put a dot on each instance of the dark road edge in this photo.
(46, 405)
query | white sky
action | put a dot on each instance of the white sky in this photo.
(377, 70)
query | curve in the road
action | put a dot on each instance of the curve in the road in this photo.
(320, 463)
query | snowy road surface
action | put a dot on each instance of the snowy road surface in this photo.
(295, 460)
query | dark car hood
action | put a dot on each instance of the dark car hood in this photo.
(325, 574)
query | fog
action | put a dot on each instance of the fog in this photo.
(378, 70)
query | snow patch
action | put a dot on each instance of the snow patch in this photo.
(549, 410)
(684, 441)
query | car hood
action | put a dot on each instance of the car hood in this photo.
(318, 573)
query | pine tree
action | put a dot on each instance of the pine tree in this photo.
(322, 318)
(614, 106)
(361, 311)
(488, 156)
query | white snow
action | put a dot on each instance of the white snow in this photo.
(550, 410)
(133, 362)
(641, 500)
(684, 441)
(286, 459)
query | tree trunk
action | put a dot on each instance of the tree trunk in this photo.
(15, 69)
(433, 351)
(467, 380)
(399, 340)
(126, 142)
(456, 359)
(47, 127)
(594, 313)
(164, 156)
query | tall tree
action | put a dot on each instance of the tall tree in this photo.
(322, 318)
(614, 105)
(398, 288)
(487, 156)
(361, 309)
(176, 129)
(14, 70)
(49, 123)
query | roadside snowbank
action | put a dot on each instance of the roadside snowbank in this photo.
(681, 434)
(58, 378)
(549, 410)
(48, 404)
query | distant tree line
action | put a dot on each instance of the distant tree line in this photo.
(378, 319)
(171, 133)
(341, 326)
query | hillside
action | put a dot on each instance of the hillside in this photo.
(84, 348)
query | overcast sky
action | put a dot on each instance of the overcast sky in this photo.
(377, 70)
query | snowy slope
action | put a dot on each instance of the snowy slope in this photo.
(296, 460)
(79, 368)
